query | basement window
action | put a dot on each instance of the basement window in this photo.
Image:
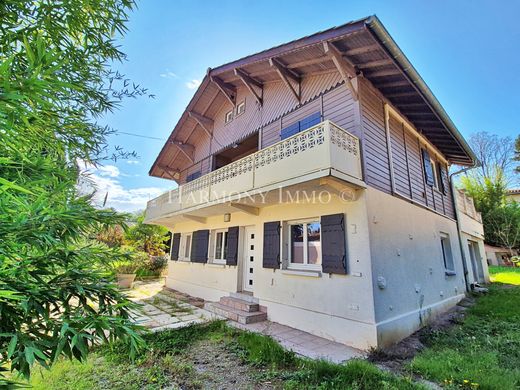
(229, 116)
(447, 255)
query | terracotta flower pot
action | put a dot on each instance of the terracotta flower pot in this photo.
(125, 280)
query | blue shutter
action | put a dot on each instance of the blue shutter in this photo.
(311, 120)
(199, 246)
(333, 244)
(290, 130)
(232, 246)
(271, 250)
(176, 241)
(428, 171)
(193, 176)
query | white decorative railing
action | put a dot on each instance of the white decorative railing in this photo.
(323, 146)
(466, 205)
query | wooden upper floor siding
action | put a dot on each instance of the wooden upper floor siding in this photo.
(392, 160)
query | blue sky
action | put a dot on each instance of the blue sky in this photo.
(468, 52)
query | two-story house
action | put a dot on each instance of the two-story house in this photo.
(313, 190)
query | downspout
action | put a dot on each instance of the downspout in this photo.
(457, 217)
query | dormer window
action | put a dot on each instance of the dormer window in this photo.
(241, 108)
(229, 116)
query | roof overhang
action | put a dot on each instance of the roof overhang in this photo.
(365, 47)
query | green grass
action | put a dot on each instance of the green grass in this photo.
(483, 352)
(166, 361)
(505, 275)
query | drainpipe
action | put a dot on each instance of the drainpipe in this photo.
(457, 217)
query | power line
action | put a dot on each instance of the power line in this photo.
(141, 136)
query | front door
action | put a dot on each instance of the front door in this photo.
(476, 261)
(248, 258)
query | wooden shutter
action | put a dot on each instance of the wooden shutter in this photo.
(333, 244)
(271, 254)
(310, 121)
(176, 242)
(290, 130)
(232, 246)
(445, 182)
(199, 246)
(428, 171)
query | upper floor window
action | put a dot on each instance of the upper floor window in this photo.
(241, 108)
(229, 116)
(435, 171)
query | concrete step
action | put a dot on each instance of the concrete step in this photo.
(248, 297)
(240, 316)
(239, 304)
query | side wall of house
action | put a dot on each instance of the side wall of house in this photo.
(410, 281)
(337, 307)
(395, 156)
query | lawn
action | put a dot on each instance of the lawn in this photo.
(212, 356)
(484, 351)
(507, 275)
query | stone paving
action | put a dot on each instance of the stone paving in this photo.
(165, 309)
(303, 343)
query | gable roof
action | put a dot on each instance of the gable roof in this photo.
(368, 47)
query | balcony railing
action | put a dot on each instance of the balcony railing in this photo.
(467, 206)
(324, 146)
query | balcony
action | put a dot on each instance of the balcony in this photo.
(321, 154)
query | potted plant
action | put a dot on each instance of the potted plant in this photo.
(126, 270)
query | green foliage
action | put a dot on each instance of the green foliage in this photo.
(147, 238)
(55, 82)
(484, 350)
(517, 153)
(501, 219)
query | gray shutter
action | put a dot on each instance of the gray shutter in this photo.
(445, 182)
(176, 242)
(333, 244)
(199, 246)
(428, 171)
(232, 246)
(271, 253)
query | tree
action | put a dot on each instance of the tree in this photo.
(504, 226)
(517, 154)
(494, 153)
(147, 238)
(55, 83)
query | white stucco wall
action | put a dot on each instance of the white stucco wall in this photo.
(338, 307)
(472, 230)
(408, 263)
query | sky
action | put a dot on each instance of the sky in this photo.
(468, 52)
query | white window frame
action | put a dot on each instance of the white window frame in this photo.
(305, 265)
(219, 260)
(436, 183)
(239, 105)
(228, 117)
(184, 245)
(447, 258)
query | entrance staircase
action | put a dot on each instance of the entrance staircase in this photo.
(239, 307)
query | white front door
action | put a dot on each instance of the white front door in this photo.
(248, 258)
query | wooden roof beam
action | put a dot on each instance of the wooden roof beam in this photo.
(203, 121)
(373, 64)
(250, 83)
(173, 173)
(345, 68)
(361, 50)
(228, 90)
(185, 149)
(287, 75)
(383, 73)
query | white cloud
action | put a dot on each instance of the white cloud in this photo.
(193, 84)
(133, 162)
(104, 183)
(169, 75)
